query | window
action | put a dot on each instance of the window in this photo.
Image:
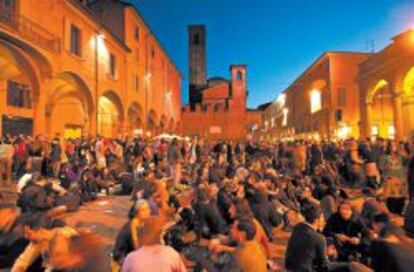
(239, 75)
(285, 117)
(341, 97)
(8, 3)
(112, 65)
(196, 39)
(153, 52)
(18, 95)
(316, 101)
(136, 33)
(75, 40)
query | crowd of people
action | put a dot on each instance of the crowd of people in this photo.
(211, 205)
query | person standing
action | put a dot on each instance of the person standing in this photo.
(395, 184)
(174, 158)
(6, 155)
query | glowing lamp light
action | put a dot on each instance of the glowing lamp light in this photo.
(101, 46)
(391, 131)
(138, 132)
(281, 99)
(343, 132)
(374, 130)
(149, 134)
(316, 100)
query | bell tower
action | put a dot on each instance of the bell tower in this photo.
(197, 62)
(238, 86)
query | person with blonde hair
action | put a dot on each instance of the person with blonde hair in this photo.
(152, 254)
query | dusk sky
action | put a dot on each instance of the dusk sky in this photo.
(277, 39)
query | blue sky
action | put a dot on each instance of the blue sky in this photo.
(277, 39)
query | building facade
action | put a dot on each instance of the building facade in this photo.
(321, 103)
(74, 68)
(386, 82)
(217, 108)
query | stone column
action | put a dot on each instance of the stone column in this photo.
(398, 117)
(368, 115)
(39, 115)
(92, 123)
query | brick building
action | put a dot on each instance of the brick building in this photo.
(322, 103)
(217, 106)
(83, 67)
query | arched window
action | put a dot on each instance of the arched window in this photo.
(239, 75)
(196, 39)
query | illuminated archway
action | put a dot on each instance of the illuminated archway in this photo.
(380, 101)
(135, 117)
(407, 99)
(408, 84)
(110, 114)
(68, 93)
(152, 121)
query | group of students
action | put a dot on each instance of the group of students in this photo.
(214, 205)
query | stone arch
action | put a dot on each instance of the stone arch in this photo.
(20, 73)
(40, 62)
(68, 93)
(408, 82)
(378, 85)
(15, 63)
(152, 121)
(406, 102)
(318, 84)
(110, 114)
(135, 116)
(380, 101)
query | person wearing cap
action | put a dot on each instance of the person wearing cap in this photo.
(153, 255)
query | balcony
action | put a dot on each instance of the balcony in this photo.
(27, 29)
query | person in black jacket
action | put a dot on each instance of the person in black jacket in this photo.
(350, 233)
(306, 247)
(409, 213)
(12, 239)
(263, 209)
(209, 221)
(34, 198)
